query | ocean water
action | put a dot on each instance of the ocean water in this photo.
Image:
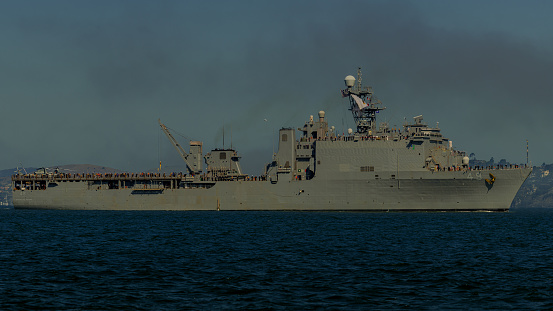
(110, 260)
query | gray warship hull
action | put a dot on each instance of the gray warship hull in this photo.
(340, 183)
(375, 168)
(440, 191)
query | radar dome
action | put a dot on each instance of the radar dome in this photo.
(350, 81)
(466, 160)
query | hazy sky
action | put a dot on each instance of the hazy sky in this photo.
(84, 82)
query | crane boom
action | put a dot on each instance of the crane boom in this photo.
(192, 168)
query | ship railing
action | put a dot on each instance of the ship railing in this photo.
(90, 177)
(476, 168)
(497, 167)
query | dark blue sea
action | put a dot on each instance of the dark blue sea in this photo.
(107, 260)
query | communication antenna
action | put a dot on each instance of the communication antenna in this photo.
(527, 152)
(159, 150)
(359, 78)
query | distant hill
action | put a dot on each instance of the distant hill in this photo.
(86, 168)
(69, 168)
(9, 172)
(537, 190)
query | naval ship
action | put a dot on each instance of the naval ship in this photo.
(371, 168)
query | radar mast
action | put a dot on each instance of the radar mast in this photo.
(363, 104)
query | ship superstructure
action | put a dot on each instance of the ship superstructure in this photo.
(373, 167)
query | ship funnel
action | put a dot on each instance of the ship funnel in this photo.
(350, 81)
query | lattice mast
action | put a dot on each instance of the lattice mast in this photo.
(363, 104)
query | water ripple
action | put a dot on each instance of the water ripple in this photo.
(67, 260)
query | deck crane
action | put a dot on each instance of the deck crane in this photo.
(193, 159)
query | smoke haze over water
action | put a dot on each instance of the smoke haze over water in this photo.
(85, 82)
